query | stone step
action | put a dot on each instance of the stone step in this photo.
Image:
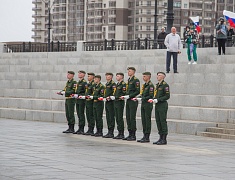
(226, 125)
(217, 135)
(174, 125)
(221, 130)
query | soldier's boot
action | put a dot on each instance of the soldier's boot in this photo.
(132, 137)
(109, 134)
(125, 138)
(80, 130)
(160, 138)
(146, 139)
(72, 128)
(68, 130)
(143, 138)
(120, 135)
(163, 141)
(89, 131)
(92, 131)
(99, 132)
(77, 130)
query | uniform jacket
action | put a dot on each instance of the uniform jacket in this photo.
(120, 90)
(89, 88)
(110, 88)
(133, 87)
(162, 92)
(81, 87)
(70, 87)
(147, 91)
(98, 91)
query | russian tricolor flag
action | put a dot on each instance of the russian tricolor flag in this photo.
(196, 23)
(230, 17)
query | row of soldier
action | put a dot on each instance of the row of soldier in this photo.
(89, 97)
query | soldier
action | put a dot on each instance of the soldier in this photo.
(69, 102)
(147, 93)
(80, 101)
(133, 89)
(119, 105)
(162, 94)
(89, 104)
(110, 88)
(98, 106)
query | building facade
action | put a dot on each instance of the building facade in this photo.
(94, 20)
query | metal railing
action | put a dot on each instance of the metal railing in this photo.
(40, 47)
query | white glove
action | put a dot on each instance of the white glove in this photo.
(139, 99)
(75, 96)
(155, 101)
(91, 97)
(104, 99)
(62, 92)
(125, 97)
(112, 97)
(82, 97)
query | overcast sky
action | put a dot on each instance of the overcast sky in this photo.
(16, 20)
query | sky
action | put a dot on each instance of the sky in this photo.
(16, 20)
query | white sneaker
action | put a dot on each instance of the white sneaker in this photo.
(194, 62)
(189, 62)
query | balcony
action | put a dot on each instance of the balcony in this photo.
(38, 29)
(37, 2)
(36, 36)
(37, 9)
(38, 15)
(36, 22)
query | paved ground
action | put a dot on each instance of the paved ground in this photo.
(38, 150)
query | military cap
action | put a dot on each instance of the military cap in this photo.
(108, 73)
(98, 76)
(147, 73)
(91, 73)
(120, 74)
(81, 71)
(71, 72)
(161, 73)
(132, 68)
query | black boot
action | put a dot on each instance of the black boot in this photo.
(163, 141)
(160, 138)
(143, 138)
(120, 135)
(80, 130)
(146, 139)
(68, 130)
(109, 134)
(99, 133)
(90, 131)
(125, 138)
(132, 137)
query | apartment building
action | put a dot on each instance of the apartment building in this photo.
(94, 20)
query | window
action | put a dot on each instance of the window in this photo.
(112, 20)
(148, 36)
(186, 14)
(112, 4)
(148, 19)
(111, 36)
(148, 28)
(148, 3)
(148, 11)
(111, 28)
(185, 21)
(185, 5)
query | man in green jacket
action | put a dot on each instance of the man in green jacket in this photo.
(69, 102)
(162, 94)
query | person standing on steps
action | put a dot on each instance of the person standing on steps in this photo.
(161, 95)
(98, 106)
(221, 35)
(89, 104)
(80, 100)
(110, 88)
(69, 102)
(119, 104)
(147, 92)
(161, 39)
(173, 44)
(133, 89)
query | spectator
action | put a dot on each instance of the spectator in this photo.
(230, 33)
(173, 44)
(221, 35)
(161, 37)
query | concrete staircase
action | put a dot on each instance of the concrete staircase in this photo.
(202, 95)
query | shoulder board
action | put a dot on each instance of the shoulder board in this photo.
(164, 82)
(75, 81)
(84, 80)
(123, 83)
(135, 78)
(150, 83)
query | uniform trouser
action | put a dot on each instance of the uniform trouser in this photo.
(131, 108)
(146, 112)
(193, 51)
(221, 44)
(69, 110)
(119, 108)
(80, 108)
(168, 60)
(161, 115)
(98, 108)
(110, 115)
(89, 113)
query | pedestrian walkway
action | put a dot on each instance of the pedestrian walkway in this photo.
(31, 150)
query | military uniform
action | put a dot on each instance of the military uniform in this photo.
(133, 89)
(162, 94)
(119, 108)
(110, 88)
(89, 108)
(98, 108)
(147, 93)
(70, 103)
(80, 105)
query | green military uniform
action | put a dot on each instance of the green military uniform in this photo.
(98, 108)
(162, 94)
(110, 88)
(133, 89)
(119, 108)
(89, 108)
(146, 109)
(80, 105)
